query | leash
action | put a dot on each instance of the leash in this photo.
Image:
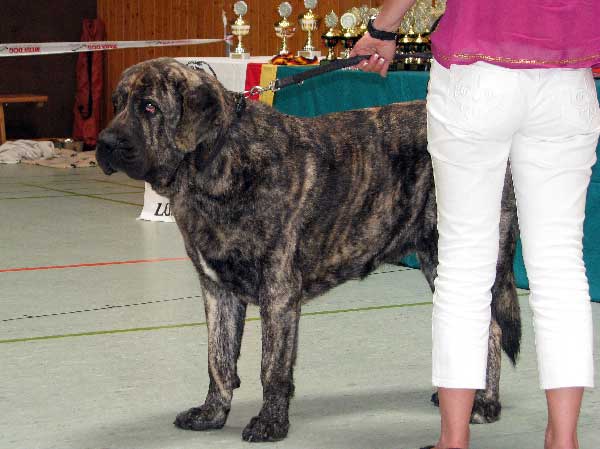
(338, 64)
(300, 77)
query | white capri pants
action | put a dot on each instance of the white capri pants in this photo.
(547, 122)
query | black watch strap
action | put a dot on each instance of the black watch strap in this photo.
(378, 34)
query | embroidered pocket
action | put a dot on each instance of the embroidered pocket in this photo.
(481, 99)
(579, 102)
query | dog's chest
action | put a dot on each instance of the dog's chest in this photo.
(221, 256)
(205, 267)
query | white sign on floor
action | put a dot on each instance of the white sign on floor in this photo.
(156, 207)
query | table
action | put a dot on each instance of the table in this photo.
(344, 90)
(39, 100)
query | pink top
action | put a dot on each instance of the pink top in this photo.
(519, 33)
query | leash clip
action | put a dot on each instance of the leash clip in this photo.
(256, 90)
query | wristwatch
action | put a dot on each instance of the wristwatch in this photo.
(378, 34)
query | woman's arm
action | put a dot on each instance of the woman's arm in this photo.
(389, 19)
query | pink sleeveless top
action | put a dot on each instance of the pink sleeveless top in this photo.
(519, 33)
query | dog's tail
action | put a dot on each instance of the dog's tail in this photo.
(505, 302)
(507, 313)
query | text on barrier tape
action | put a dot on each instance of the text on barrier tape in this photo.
(52, 48)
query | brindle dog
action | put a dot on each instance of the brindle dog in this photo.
(276, 210)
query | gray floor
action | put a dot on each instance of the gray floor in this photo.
(105, 356)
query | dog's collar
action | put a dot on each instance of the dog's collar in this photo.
(240, 104)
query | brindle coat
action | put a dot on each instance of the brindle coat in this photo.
(275, 210)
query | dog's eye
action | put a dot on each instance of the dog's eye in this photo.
(150, 108)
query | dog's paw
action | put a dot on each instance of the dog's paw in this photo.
(205, 417)
(261, 429)
(485, 411)
(435, 399)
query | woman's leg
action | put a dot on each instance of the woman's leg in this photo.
(551, 161)
(455, 412)
(472, 117)
(563, 412)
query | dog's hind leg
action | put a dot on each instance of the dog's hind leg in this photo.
(279, 348)
(505, 328)
(486, 408)
(225, 321)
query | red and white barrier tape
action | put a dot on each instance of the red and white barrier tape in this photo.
(53, 48)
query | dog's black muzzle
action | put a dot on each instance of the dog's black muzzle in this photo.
(108, 141)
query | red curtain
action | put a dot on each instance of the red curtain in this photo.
(88, 94)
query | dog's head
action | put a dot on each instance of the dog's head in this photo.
(163, 110)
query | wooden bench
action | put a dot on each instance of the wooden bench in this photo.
(17, 98)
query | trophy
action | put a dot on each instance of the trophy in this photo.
(309, 22)
(332, 37)
(349, 36)
(240, 29)
(283, 28)
(414, 32)
(363, 16)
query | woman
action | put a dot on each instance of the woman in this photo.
(510, 80)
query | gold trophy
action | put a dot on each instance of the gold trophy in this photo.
(284, 29)
(414, 31)
(362, 14)
(240, 28)
(332, 37)
(349, 34)
(309, 22)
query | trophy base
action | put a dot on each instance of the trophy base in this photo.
(309, 54)
(412, 66)
(239, 55)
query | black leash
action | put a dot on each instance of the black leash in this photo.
(300, 77)
(337, 64)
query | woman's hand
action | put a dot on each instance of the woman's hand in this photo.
(382, 54)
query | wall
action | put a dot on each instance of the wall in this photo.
(41, 21)
(179, 19)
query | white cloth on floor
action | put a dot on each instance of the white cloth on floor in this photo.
(15, 151)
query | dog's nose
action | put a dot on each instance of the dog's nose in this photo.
(107, 141)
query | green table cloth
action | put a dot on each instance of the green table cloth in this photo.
(343, 90)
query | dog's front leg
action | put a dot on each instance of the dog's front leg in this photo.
(225, 320)
(279, 348)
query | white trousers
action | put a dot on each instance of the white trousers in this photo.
(547, 121)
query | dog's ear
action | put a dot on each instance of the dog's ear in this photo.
(201, 115)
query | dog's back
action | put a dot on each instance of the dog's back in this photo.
(371, 189)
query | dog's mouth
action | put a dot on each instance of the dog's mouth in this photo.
(108, 170)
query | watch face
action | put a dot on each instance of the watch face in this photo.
(310, 4)
(331, 20)
(285, 9)
(348, 20)
(240, 8)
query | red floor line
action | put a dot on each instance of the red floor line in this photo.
(97, 264)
